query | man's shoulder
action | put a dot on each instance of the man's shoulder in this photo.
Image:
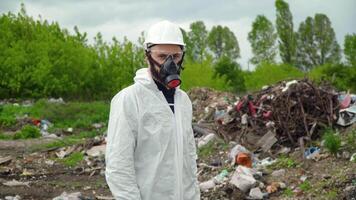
(124, 94)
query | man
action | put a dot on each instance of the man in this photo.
(151, 152)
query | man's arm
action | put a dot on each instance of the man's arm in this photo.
(121, 141)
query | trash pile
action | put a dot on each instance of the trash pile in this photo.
(260, 127)
(285, 113)
(289, 110)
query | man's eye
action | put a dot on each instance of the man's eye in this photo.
(162, 56)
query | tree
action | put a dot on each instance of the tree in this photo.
(284, 25)
(263, 39)
(350, 49)
(316, 43)
(197, 37)
(222, 42)
(229, 69)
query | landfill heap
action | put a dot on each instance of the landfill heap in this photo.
(287, 111)
(258, 128)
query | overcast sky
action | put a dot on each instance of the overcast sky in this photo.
(129, 17)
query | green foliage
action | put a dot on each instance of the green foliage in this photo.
(305, 186)
(27, 132)
(67, 140)
(73, 159)
(39, 59)
(72, 114)
(267, 74)
(287, 38)
(223, 43)
(283, 162)
(231, 70)
(332, 141)
(341, 76)
(197, 39)
(201, 75)
(262, 38)
(350, 49)
(351, 139)
(316, 43)
(288, 192)
(5, 137)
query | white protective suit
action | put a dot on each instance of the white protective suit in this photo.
(151, 153)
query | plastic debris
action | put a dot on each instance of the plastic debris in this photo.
(347, 116)
(244, 159)
(4, 160)
(16, 183)
(206, 139)
(220, 177)
(279, 173)
(353, 158)
(205, 186)
(71, 196)
(311, 153)
(237, 150)
(256, 193)
(96, 151)
(17, 197)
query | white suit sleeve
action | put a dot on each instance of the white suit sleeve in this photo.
(121, 141)
(193, 153)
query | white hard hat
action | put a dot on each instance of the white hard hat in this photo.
(164, 32)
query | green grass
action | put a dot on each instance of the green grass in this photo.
(73, 159)
(206, 150)
(283, 162)
(288, 192)
(67, 141)
(5, 137)
(215, 145)
(332, 141)
(305, 186)
(27, 132)
(351, 139)
(78, 115)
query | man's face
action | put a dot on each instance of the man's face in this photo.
(161, 51)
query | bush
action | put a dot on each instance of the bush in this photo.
(332, 141)
(27, 132)
(267, 74)
(341, 76)
(200, 75)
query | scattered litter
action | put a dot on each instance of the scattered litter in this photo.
(347, 116)
(96, 151)
(71, 196)
(237, 150)
(244, 159)
(279, 173)
(353, 158)
(303, 178)
(205, 140)
(205, 186)
(267, 141)
(311, 153)
(97, 125)
(243, 182)
(256, 193)
(275, 186)
(14, 183)
(105, 198)
(17, 197)
(220, 177)
(264, 163)
(4, 160)
(54, 100)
